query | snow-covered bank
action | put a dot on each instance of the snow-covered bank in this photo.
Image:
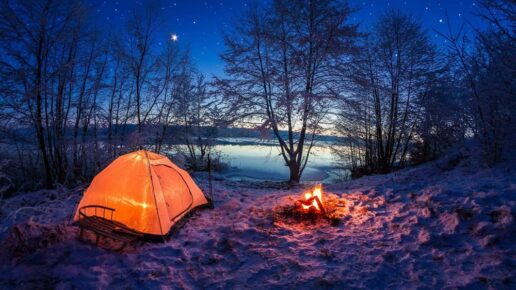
(439, 225)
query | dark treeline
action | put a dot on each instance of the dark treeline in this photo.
(67, 80)
(394, 97)
(70, 89)
(409, 101)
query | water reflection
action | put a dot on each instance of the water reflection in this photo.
(254, 159)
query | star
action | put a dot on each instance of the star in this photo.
(173, 37)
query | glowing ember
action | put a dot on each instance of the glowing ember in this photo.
(313, 200)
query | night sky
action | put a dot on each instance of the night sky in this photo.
(198, 24)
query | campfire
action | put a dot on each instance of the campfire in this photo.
(313, 201)
(315, 207)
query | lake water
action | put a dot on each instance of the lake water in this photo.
(255, 159)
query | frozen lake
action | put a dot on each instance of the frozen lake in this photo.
(255, 159)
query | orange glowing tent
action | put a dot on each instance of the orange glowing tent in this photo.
(147, 191)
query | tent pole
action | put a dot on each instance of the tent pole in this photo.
(154, 194)
(212, 202)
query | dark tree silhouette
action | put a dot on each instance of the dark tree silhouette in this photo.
(279, 60)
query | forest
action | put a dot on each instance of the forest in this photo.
(398, 108)
(74, 96)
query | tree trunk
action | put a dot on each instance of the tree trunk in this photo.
(295, 172)
(38, 118)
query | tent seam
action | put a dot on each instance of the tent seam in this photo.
(153, 191)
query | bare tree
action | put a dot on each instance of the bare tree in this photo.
(392, 70)
(279, 61)
(489, 76)
(79, 90)
(444, 120)
(194, 112)
(141, 58)
(176, 72)
(39, 45)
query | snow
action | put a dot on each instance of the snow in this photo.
(442, 224)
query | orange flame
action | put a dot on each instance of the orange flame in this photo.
(316, 192)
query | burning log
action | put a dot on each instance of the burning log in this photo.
(316, 208)
(313, 201)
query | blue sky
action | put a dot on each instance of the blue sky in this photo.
(198, 24)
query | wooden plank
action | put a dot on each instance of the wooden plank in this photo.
(111, 229)
(124, 238)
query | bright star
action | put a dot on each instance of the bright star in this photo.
(173, 37)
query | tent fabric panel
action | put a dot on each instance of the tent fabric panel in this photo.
(125, 185)
(198, 195)
(175, 191)
(163, 219)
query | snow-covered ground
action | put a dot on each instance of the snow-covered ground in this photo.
(442, 224)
